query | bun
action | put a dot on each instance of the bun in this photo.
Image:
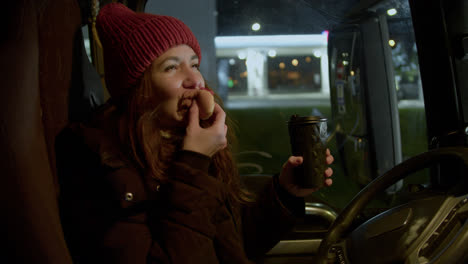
(206, 104)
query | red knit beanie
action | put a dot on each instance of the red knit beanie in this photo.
(131, 41)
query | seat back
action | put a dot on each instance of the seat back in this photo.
(38, 67)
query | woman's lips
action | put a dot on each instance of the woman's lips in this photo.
(186, 101)
(184, 104)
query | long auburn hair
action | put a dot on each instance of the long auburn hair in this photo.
(152, 150)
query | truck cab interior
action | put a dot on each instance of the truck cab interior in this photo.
(391, 77)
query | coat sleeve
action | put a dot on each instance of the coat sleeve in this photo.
(269, 218)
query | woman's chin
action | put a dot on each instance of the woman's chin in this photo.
(177, 120)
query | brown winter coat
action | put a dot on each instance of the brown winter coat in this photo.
(110, 214)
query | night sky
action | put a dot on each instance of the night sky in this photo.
(235, 17)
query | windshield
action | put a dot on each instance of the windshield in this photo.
(271, 59)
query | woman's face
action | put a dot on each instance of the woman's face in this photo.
(175, 77)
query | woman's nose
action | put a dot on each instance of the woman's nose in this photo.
(192, 79)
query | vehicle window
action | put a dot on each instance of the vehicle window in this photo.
(408, 86)
(272, 62)
(407, 81)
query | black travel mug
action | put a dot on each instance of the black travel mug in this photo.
(308, 137)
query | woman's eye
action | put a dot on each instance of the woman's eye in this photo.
(196, 65)
(170, 68)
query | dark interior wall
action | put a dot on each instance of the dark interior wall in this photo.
(35, 69)
(58, 24)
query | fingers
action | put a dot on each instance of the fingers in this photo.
(207, 89)
(220, 117)
(225, 131)
(219, 112)
(328, 173)
(293, 161)
(219, 127)
(329, 157)
(224, 135)
(193, 114)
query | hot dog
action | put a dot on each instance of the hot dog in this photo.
(206, 104)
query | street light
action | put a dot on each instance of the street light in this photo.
(242, 55)
(272, 53)
(256, 26)
(317, 53)
(392, 12)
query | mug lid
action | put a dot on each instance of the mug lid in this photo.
(295, 119)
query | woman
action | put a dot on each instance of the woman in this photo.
(155, 184)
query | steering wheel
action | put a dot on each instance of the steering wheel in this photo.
(345, 219)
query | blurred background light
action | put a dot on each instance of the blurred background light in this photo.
(392, 12)
(272, 53)
(256, 26)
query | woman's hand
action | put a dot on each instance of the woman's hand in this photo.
(208, 140)
(286, 178)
